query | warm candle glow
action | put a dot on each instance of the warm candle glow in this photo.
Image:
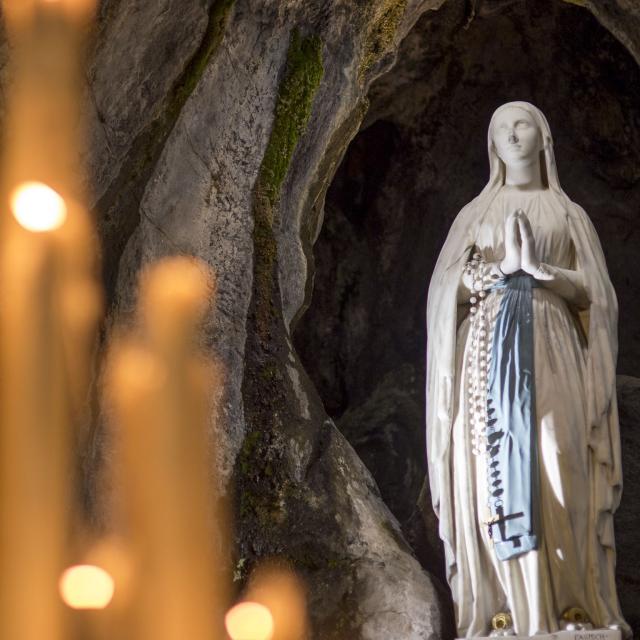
(38, 207)
(275, 586)
(86, 587)
(249, 621)
(160, 384)
(47, 331)
(20, 11)
(74, 5)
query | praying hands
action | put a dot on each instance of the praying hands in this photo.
(519, 244)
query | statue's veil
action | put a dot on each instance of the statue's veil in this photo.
(548, 169)
(600, 322)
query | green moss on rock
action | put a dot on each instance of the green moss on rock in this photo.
(313, 208)
(382, 33)
(293, 110)
(302, 78)
(216, 25)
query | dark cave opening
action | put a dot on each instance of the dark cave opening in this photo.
(419, 157)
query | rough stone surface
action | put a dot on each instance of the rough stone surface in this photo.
(190, 105)
(344, 104)
(382, 430)
(140, 51)
(198, 200)
(621, 18)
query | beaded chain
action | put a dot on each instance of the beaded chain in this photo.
(480, 354)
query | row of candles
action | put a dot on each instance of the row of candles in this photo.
(158, 577)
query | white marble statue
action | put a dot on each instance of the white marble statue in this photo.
(522, 425)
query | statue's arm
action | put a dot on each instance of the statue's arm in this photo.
(490, 272)
(567, 283)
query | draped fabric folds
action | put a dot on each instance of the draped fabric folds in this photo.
(511, 430)
(599, 320)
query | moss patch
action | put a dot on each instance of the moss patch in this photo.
(303, 74)
(280, 513)
(382, 33)
(293, 109)
(263, 496)
(264, 483)
(313, 208)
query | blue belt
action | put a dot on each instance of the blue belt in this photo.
(512, 461)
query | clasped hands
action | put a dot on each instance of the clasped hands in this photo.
(520, 253)
(519, 245)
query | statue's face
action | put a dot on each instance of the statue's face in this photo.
(516, 137)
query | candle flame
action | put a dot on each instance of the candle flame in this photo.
(249, 621)
(277, 587)
(86, 587)
(37, 207)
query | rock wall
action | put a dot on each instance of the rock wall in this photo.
(216, 128)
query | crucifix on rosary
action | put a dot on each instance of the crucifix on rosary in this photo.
(499, 519)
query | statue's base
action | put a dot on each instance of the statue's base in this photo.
(582, 634)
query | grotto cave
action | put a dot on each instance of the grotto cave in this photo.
(312, 155)
(419, 155)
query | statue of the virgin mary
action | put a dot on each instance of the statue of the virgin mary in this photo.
(522, 425)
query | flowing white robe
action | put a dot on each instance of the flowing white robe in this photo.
(577, 420)
(538, 586)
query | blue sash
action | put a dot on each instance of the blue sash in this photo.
(512, 462)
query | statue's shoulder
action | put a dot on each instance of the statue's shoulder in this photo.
(468, 209)
(573, 209)
(583, 230)
(578, 213)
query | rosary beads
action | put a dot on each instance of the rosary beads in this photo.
(479, 355)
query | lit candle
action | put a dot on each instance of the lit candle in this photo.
(98, 589)
(275, 587)
(159, 388)
(86, 587)
(249, 621)
(37, 207)
(50, 304)
(22, 12)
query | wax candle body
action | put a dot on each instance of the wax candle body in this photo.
(50, 303)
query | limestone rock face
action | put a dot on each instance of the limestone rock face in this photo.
(217, 126)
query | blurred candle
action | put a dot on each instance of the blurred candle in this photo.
(249, 621)
(159, 387)
(38, 207)
(86, 587)
(50, 304)
(281, 592)
(98, 588)
(22, 12)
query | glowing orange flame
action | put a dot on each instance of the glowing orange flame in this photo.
(86, 587)
(249, 621)
(37, 207)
